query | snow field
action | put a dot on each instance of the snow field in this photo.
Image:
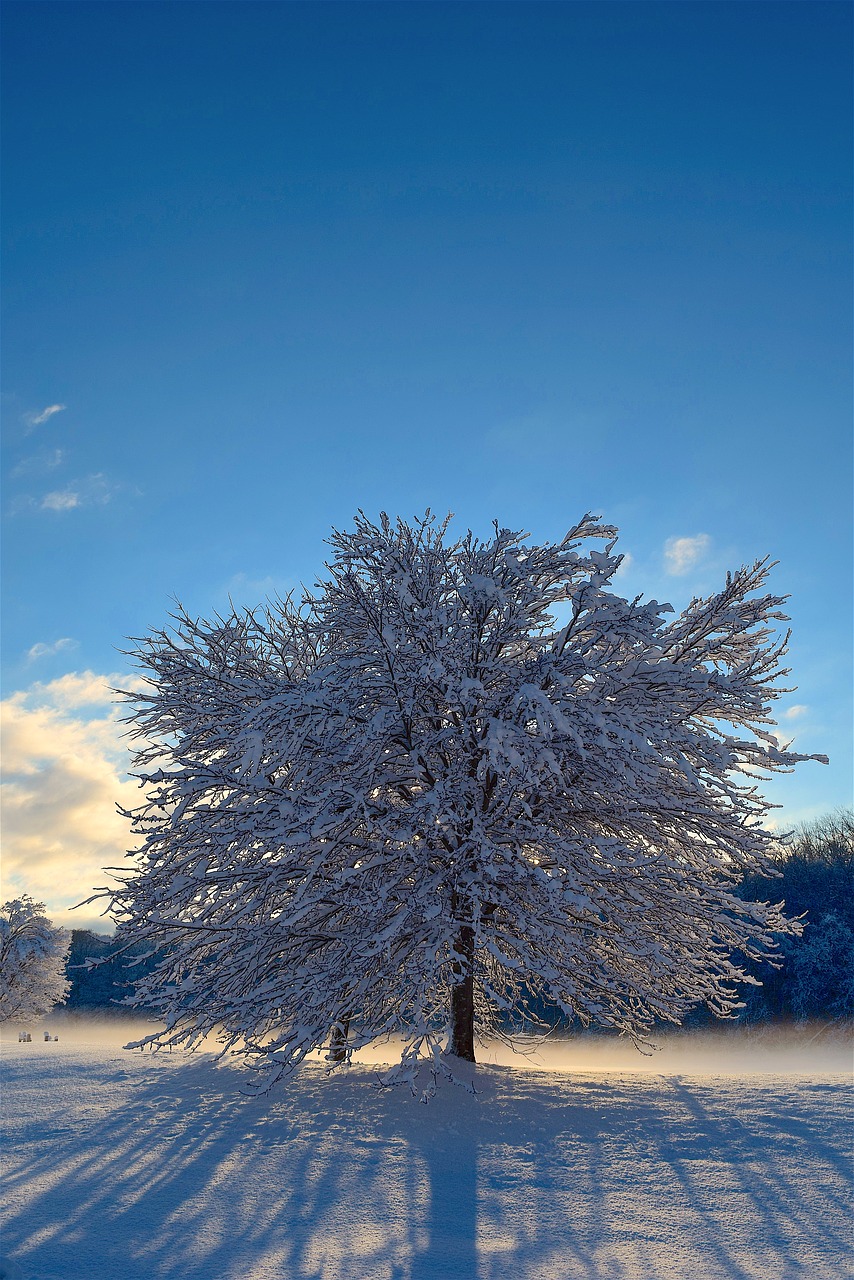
(119, 1163)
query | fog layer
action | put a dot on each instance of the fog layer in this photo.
(804, 1048)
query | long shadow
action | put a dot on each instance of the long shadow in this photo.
(161, 1169)
(760, 1148)
(184, 1177)
(449, 1225)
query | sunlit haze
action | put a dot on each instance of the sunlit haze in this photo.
(815, 1048)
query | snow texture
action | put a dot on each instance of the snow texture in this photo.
(136, 1165)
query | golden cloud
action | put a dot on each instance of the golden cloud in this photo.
(65, 759)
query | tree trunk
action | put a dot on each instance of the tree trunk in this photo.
(462, 998)
(338, 1041)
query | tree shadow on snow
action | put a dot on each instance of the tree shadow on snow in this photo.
(595, 1177)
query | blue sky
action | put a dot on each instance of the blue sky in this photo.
(277, 262)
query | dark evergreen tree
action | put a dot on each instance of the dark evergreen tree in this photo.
(102, 972)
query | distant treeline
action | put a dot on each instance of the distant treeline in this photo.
(105, 986)
(815, 978)
(812, 975)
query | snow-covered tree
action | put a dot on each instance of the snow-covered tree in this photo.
(33, 953)
(459, 776)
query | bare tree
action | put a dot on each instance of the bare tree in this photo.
(460, 776)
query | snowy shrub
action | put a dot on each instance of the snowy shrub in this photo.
(457, 777)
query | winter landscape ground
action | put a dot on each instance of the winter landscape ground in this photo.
(722, 1156)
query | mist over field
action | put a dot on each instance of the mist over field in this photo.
(810, 1047)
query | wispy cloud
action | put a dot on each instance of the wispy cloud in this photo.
(95, 490)
(37, 419)
(41, 650)
(785, 734)
(795, 712)
(60, 500)
(48, 460)
(682, 554)
(245, 590)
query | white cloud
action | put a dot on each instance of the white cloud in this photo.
(93, 490)
(64, 771)
(681, 554)
(36, 419)
(41, 650)
(795, 712)
(44, 461)
(60, 500)
(81, 689)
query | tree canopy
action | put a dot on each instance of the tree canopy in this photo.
(457, 776)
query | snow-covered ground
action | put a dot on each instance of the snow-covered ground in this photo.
(718, 1157)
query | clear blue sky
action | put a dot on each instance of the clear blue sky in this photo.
(281, 261)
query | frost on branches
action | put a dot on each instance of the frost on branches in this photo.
(33, 953)
(413, 802)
